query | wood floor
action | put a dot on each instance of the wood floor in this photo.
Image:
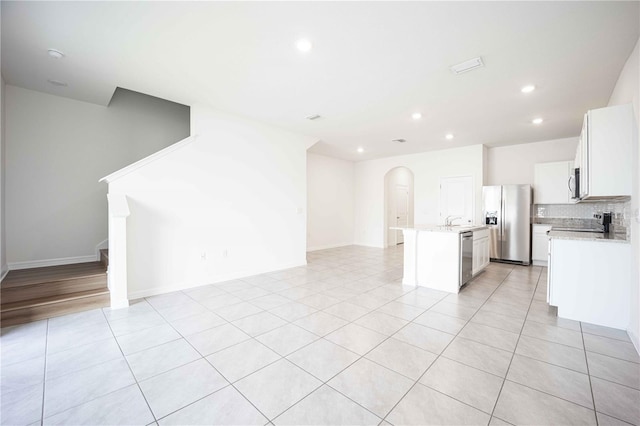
(33, 294)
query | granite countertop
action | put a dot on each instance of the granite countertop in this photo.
(442, 228)
(589, 236)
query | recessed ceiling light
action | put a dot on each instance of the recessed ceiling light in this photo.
(54, 53)
(399, 140)
(528, 89)
(57, 83)
(313, 117)
(449, 136)
(304, 45)
(416, 116)
(360, 150)
(469, 65)
(537, 121)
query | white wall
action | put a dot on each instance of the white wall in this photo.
(239, 189)
(427, 168)
(56, 150)
(513, 164)
(3, 232)
(330, 201)
(627, 90)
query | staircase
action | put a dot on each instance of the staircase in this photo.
(33, 294)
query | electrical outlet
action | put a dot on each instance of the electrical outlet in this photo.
(203, 255)
(225, 253)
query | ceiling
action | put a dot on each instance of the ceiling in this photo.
(372, 65)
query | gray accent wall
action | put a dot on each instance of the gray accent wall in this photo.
(56, 150)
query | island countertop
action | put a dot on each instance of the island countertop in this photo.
(589, 236)
(441, 228)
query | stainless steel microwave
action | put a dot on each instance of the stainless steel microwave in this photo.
(574, 184)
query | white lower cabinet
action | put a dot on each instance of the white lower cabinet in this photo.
(590, 281)
(539, 244)
(480, 250)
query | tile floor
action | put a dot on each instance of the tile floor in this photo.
(339, 341)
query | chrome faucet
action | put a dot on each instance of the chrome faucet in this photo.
(449, 220)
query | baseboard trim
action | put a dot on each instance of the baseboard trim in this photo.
(369, 245)
(218, 279)
(5, 271)
(329, 246)
(51, 262)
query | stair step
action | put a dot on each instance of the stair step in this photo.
(104, 257)
(47, 307)
(38, 293)
(36, 283)
(51, 273)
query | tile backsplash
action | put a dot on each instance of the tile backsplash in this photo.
(581, 210)
(550, 213)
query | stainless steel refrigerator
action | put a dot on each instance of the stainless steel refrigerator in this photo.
(506, 211)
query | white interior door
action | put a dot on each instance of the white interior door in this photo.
(456, 199)
(402, 210)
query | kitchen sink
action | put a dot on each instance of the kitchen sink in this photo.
(455, 227)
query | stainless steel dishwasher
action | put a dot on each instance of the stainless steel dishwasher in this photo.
(466, 257)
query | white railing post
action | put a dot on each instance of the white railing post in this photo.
(117, 274)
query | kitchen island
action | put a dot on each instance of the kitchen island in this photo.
(432, 255)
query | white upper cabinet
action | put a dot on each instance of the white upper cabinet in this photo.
(605, 153)
(551, 182)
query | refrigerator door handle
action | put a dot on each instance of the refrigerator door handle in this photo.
(502, 220)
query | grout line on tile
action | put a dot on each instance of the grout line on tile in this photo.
(150, 347)
(609, 415)
(44, 372)
(586, 360)
(207, 361)
(441, 352)
(193, 402)
(513, 354)
(453, 397)
(616, 383)
(550, 363)
(130, 369)
(550, 394)
(100, 396)
(606, 337)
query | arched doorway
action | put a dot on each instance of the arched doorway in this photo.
(398, 203)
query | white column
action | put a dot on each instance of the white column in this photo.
(117, 274)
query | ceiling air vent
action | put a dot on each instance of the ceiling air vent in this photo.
(399, 140)
(469, 65)
(57, 83)
(313, 117)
